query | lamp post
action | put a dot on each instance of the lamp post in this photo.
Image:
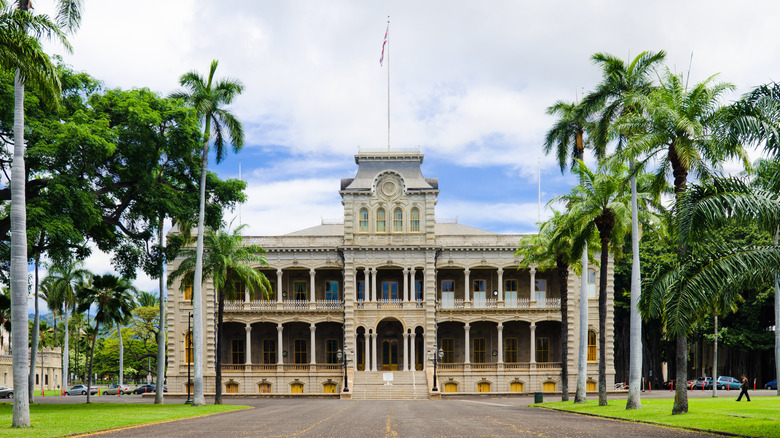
(342, 357)
(189, 359)
(437, 355)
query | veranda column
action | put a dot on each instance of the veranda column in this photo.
(367, 352)
(354, 357)
(312, 330)
(413, 287)
(311, 281)
(373, 353)
(405, 296)
(500, 285)
(533, 342)
(406, 352)
(374, 296)
(248, 344)
(246, 294)
(412, 347)
(532, 296)
(466, 342)
(279, 349)
(466, 288)
(500, 329)
(279, 285)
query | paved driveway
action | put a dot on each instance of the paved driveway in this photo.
(494, 417)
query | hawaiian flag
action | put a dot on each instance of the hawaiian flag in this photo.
(381, 58)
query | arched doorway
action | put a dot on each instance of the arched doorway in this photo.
(389, 343)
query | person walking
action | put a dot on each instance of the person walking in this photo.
(744, 389)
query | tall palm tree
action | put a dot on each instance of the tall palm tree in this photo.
(208, 97)
(230, 265)
(113, 297)
(599, 203)
(66, 278)
(21, 52)
(147, 299)
(612, 100)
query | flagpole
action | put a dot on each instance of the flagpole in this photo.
(388, 83)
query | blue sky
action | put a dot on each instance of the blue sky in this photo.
(469, 85)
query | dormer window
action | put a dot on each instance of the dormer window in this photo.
(398, 220)
(414, 222)
(363, 220)
(380, 221)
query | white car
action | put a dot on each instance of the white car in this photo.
(81, 390)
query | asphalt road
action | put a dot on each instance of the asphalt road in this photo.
(482, 417)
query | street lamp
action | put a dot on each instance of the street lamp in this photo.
(343, 356)
(189, 359)
(437, 355)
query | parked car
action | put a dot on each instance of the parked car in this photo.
(726, 382)
(668, 384)
(81, 390)
(771, 385)
(6, 392)
(703, 383)
(114, 390)
(148, 388)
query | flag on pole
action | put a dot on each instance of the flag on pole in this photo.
(382, 58)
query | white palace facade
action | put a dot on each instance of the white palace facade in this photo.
(394, 288)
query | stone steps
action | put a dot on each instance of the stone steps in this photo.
(368, 385)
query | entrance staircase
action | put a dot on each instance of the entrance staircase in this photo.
(369, 385)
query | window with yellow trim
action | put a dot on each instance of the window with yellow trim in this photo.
(548, 387)
(414, 220)
(331, 349)
(299, 290)
(269, 351)
(483, 387)
(398, 220)
(450, 387)
(329, 388)
(510, 350)
(479, 350)
(591, 386)
(301, 351)
(541, 290)
(231, 388)
(542, 349)
(592, 356)
(264, 388)
(188, 348)
(296, 388)
(237, 350)
(188, 293)
(363, 220)
(447, 347)
(380, 221)
(516, 387)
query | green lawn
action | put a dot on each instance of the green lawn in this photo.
(760, 417)
(49, 420)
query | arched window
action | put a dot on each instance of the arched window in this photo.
(398, 220)
(592, 346)
(380, 221)
(363, 220)
(414, 220)
(188, 348)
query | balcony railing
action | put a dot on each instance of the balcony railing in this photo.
(495, 366)
(390, 304)
(238, 305)
(491, 303)
(328, 367)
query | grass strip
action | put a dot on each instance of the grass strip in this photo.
(759, 417)
(50, 420)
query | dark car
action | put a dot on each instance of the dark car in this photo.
(728, 383)
(6, 392)
(143, 389)
(771, 385)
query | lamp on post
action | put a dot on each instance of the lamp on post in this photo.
(437, 356)
(187, 351)
(342, 357)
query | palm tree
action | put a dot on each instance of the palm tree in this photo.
(66, 278)
(147, 299)
(599, 203)
(227, 263)
(20, 51)
(611, 101)
(208, 99)
(114, 299)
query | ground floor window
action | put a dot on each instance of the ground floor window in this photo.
(479, 350)
(329, 388)
(296, 388)
(510, 350)
(269, 351)
(264, 388)
(590, 386)
(231, 388)
(548, 387)
(483, 387)
(447, 346)
(592, 346)
(361, 358)
(301, 351)
(237, 349)
(450, 387)
(331, 349)
(188, 348)
(516, 387)
(542, 349)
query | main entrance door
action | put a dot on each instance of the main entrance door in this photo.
(390, 355)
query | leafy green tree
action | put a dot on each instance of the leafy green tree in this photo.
(229, 264)
(113, 297)
(209, 99)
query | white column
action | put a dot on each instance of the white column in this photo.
(412, 341)
(355, 359)
(405, 297)
(500, 285)
(246, 294)
(311, 282)
(533, 342)
(500, 342)
(248, 344)
(279, 346)
(467, 286)
(374, 366)
(374, 295)
(413, 287)
(367, 352)
(312, 329)
(406, 352)
(279, 288)
(467, 343)
(355, 285)
(532, 297)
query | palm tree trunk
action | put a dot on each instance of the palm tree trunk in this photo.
(603, 316)
(777, 318)
(198, 398)
(582, 363)
(715, 361)
(19, 334)
(65, 349)
(563, 280)
(681, 379)
(92, 360)
(121, 355)
(218, 362)
(36, 334)
(158, 397)
(635, 358)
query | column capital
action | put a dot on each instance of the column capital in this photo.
(532, 269)
(500, 270)
(466, 270)
(500, 326)
(467, 326)
(279, 326)
(312, 326)
(279, 270)
(406, 270)
(533, 325)
(248, 327)
(312, 270)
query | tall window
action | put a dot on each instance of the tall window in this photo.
(592, 356)
(237, 349)
(510, 292)
(259, 295)
(510, 349)
(541, 290)
(591, 283)
(331, 351)
(448, 347)
(479, 288)
(301, 350)
(332, 290)
(414, 220)
(398, 220)
(389, 290)
(479, 350)
(448, 293)
(188, 348)
(299, 290)
(361, 290)
(542, 349)
(418, 290)
(188, 293)
(380, 221)
(363, 220)
(269, 351)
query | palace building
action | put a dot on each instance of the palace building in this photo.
(393, 289)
